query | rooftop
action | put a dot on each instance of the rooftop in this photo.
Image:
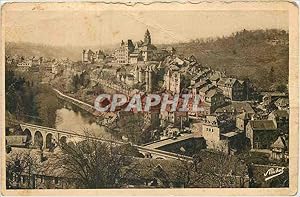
(262, 125)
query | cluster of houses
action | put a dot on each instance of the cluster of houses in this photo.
(234, 132)
(229, 121)
(36, 64)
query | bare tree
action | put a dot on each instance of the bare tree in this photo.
(20, 163)
(94, 163)
(213, 169)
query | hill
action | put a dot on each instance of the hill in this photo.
(260, 55)
(31, 49)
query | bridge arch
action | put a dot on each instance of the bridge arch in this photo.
(49, 140)
(63, 140)
(28, 133)
(38, 139)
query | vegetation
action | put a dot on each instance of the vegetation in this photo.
(260, 55)
(78, 81)
(29, 101)
(18, 164)
(134, 127)
(213, 169)
(95, 164)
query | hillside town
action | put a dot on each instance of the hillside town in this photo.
(239, 132)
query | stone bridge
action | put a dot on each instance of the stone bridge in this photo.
(44, 137)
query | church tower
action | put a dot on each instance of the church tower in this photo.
(147, 38)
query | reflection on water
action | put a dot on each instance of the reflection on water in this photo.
(70, 118)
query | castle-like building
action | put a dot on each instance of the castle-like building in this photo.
(129, 53)
(88, 56)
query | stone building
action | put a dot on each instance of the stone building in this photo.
(122, 53)
(142, 74)
(24, 65)
(172, 80)
(129, 53)
(280, 148)
(232, 88)
(242, 120)
(88, 56)
(212, 97)
(261, 133)
(220, 134)
(280, 118)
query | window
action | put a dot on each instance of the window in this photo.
(56, 180)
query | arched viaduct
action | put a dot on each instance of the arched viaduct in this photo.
(43, 137)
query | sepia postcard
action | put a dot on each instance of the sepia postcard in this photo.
(149, 98)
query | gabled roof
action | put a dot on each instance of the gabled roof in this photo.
(200, 84)
(239, 107)
(280, 143)
(211, 93)
(262, 125)
(282, 102)
(215, 77)
(227, 81)
(280, 113)
(90, 51)
(207, 88)
(230, 134)
(244, 116)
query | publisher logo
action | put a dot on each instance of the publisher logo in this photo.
(273, 172)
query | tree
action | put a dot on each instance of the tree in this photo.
(20, 163)
(212, 169)
(47, 106)
(271, 75)
(133, 126)
(281, 88)
(75, 83)
(95, 164)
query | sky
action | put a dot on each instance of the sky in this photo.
(104, 28)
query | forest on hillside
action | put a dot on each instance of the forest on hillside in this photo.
(260, 55)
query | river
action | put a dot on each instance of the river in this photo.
(72, 118)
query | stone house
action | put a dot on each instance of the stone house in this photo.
(232, 88)
(280, 148)
(215, 99)
(88, 56)
(261, 133)
(220, 134)
(211, 99)
(282, 103)
(172, 80)
(122, 53)
(280, 118)
(24, 66)
(242, 120)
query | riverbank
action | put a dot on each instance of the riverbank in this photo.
(102, 119)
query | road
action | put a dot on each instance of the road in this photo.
(168, 141)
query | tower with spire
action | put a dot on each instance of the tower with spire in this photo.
(147, 38)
